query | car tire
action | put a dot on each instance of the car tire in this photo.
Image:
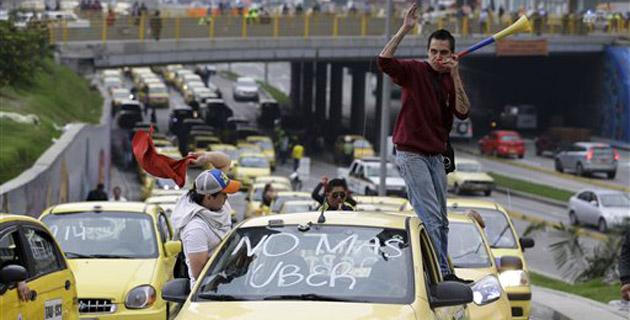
(601, 225)
(558, 166)
(521, 156)
(611, 174)
(579, 170)
(487, 193)
(573, 218)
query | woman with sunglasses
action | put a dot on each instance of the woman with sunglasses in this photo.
(337, 196)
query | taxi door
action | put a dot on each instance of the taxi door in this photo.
(53, 287)
(12, 252)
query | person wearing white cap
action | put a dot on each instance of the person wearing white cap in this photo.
(202, 218)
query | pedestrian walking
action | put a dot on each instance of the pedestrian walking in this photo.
(432, 93)
(297, 154)
(348, 151)
(156, 25)
(117, 195)
(97, 194)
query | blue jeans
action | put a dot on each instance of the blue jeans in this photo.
(426, 189)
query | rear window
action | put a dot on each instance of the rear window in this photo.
(602, 152)
(254, 162)
(280, 200)
(511, 137)
(329, 263)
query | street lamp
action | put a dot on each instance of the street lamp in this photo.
(386, 104)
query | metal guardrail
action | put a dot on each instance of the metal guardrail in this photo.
(148, 28)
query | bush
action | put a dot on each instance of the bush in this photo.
(22, 52)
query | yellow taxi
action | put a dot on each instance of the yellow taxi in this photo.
(266, 145)
(274, 179)
(292, 266)
(384, 203)
(255, 195)
(294, 206)
(121, 253)
(503, 241)
(245, 147)
(472, 259)
(284, 196)
(157, 96)
(250, 166)
(203, 143)
(30, 255)
(166, 202)
(154, 186)
(361, 148)
(169, 72)
(469, 177)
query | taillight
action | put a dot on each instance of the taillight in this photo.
(589, 155)
(616, 155)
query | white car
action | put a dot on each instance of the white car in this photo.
(363, 177)
(111, 83)
(602, 208)
(245, 88)
(70, 18)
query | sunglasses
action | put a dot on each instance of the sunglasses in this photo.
(338, 195)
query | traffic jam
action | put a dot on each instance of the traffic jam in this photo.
(278, 253)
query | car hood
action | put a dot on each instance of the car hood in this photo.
(474, 274)
(473, 176)
(247, 88)
(287, 310)
(110, 278)
(390, 182)
(617, 212)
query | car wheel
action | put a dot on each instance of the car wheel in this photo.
(487, 192)
(573, 218)
(580, 170)
(601, 225)
(521, 156)
(558, 166)
(611, 174)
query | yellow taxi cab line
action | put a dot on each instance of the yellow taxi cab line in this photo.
(544, 170)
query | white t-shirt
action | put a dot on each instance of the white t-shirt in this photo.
(197, 237)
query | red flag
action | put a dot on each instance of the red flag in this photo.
(157, 164)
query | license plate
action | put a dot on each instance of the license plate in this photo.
(604, 160)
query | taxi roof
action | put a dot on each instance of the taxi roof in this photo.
(223, 146)
(252, 154)
(471, 203)
(379, 200)
(345, 218)
(162, 199)
(110, 206)
(273, 184)
(6, 217)
(293, 193)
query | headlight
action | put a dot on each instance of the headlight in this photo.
(514, 278)
(486, 290)
(140, 297)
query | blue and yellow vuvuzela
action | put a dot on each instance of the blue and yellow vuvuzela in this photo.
(520, 25)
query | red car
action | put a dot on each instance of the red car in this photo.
(502, 143)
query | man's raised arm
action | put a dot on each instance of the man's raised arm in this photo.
(408, 24)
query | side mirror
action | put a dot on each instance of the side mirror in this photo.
(13, 273)
(450, 293)
(510, 263)
(176, 290)
(172, 248)
(526, 243)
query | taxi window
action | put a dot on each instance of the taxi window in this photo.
(88, 235)
(165, 232)
(42, 249)
(10, 252)
(254, 162)
(280, 200)
(498, 230)
(334, 263)
(466, 247)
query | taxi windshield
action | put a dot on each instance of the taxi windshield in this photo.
(280, 200)
(158, 89)
(498, 230)
(297, 207)
(360, 143)
(264, 144)
(254, 162)
(104, 235)
(329, 263)
(121, 95)
(468, 167)
(166, 184)
(466, 247)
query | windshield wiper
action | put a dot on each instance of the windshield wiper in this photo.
(220, 297)
(78, 255)
(96, 256)
(306, 296)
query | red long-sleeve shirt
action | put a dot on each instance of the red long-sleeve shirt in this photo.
(419, 127)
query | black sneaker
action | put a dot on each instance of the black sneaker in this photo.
(453, 277)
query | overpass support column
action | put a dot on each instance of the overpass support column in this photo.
(307, 89)
(357, 115)
(336, 88)
(321, 75)
(296, 86)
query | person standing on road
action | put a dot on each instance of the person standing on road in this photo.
(624, 267)
(202, 217)
(423, 125)
(297, 154)
(97, 194)
(117, 195)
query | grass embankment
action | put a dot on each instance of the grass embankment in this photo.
(536, 189)
(57, 96)
(274, 92)
(597, 290)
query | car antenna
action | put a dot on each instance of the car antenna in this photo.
(322, 218)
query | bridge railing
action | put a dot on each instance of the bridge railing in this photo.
(148, 28)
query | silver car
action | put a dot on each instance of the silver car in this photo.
(602, 208)
(588, 157)
(245, 88)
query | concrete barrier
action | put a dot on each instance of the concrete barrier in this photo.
(66, 172)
